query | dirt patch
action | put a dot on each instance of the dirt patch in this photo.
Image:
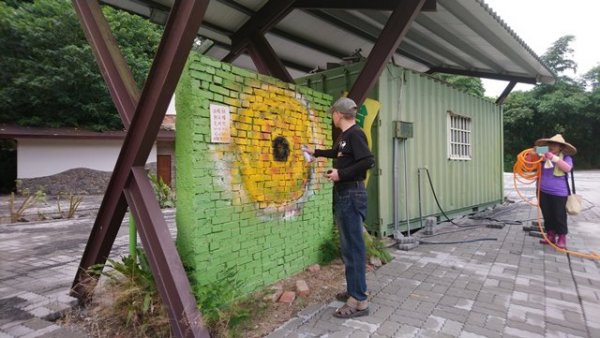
(323, 285)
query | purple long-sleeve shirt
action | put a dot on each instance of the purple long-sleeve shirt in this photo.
(555, 185)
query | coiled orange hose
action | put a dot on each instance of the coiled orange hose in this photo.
(527, 170)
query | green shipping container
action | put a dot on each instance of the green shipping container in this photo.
(431, 141)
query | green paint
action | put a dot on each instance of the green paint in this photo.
(220, 227)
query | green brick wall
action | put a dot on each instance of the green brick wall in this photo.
(238, 208)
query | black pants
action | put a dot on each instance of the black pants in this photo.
(554, 210)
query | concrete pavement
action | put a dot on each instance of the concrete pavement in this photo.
(511, 286)
(37, 266)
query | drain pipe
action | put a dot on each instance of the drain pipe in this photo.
(402, 131)
(419, 194)
(406, 188)
(396, 198)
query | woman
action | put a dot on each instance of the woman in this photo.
(553, 187)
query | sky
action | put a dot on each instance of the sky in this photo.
(539, 23)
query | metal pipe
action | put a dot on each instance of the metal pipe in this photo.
(419, 192)
(396, 188)
(132, 238)
(406, 189)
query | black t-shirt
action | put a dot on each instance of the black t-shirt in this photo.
(352, 155)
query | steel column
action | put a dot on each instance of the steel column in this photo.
(169, 275)
(183, 23)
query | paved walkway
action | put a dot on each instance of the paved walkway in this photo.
(38, 261)
(511, 286)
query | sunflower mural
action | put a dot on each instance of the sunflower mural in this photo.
(247, 199)
(267, 166)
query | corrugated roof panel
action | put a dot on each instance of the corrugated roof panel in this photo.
(227, 17)
(252, 4)
(460, 36)
(298, 53)
(309, 27)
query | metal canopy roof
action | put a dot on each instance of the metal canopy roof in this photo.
(462, 37)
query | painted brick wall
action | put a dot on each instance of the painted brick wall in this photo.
(253, 205)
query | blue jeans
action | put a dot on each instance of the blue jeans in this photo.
(350, 211)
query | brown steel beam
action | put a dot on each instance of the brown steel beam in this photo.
(125, 97)
(505, 92)
(392, 34)
(429, 6)
(266, 17)
(112, 64)
(504, 77)
(265, 59)
(183, 23)
(169, 275)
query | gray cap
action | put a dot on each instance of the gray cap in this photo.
(344, 105)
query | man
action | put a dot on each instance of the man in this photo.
(352, 160)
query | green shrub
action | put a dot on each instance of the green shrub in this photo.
(164, 193)
(330, 247)
(136, 305)
(223, 309)
(376, 248)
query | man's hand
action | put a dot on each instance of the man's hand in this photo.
(332, 175)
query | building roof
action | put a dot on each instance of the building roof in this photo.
(463, 37)
(19, 132)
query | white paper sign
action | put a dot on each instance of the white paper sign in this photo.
(220, 123)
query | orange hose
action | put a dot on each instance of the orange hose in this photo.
(528, 171)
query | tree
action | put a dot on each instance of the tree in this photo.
(564, 107)
(559, 56)
(592, 77)
(468, 84)
(48, 74)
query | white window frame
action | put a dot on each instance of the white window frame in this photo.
(459, 137)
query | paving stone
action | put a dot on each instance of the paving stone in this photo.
(432, 334)
(407, 331)
(382, 311)
(451, 313)
(519, 333)
(37, 324)
(523, 326)
(388, 329)
(476, 319)
(19, 330)
(482, 332)
(452, 328)
(495, 323)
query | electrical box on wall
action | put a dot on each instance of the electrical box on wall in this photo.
(403, 129)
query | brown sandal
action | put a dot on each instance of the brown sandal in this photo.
(348, 311)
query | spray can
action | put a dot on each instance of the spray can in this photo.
(307, 156)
